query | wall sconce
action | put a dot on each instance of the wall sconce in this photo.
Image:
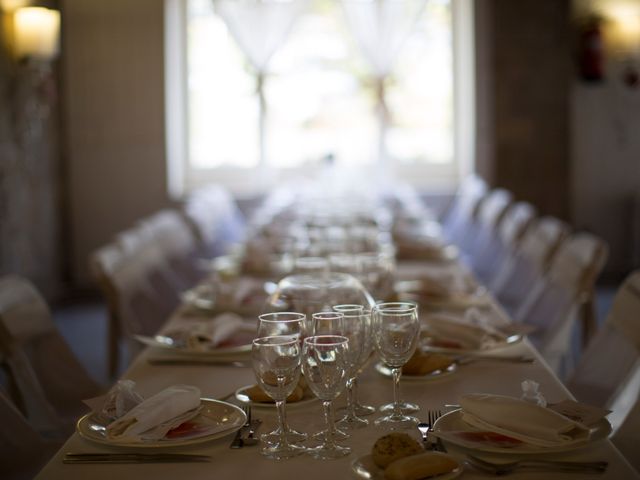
(610, 41)
(32, 38)
(36, 33)
(624, 39)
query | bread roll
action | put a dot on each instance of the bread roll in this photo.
(423, 363)
(392, 447)
(420, 466)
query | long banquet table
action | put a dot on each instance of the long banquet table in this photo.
(216, 381)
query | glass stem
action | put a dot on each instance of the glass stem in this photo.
(328, 418)
(282, 416)
(351, 404)
(397, 411)
(354, 387)
(282, 421)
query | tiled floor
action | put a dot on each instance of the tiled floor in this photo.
(83, 325)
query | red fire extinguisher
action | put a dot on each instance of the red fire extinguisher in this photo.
(591, 52)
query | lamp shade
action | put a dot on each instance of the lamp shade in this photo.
(36, 32)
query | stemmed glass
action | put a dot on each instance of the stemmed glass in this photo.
(282, 324)
(395, 332)
(329, 323)
(276, 363)
(354, 328)
(326, 367)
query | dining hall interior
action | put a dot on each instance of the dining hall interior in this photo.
(176, 175)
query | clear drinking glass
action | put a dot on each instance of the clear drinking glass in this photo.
(354, 327)
(326, 367)
(276, 363)
(327, 323)
(396, 332)
(279, 324)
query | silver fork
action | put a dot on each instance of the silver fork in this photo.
(550, 465)
(237, 441)
(433, 416)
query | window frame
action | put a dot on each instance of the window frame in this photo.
(182, 177)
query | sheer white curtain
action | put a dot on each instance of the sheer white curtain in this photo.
(380, 27)
(259, 27)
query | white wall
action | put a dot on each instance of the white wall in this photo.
(606, 165)
(113, 103)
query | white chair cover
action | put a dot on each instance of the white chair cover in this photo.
(502, 245)
(216, 218)
(612, 357)
(140, 289)
(23, 452)
(553, 304)
(174, 236)
(50, 381)
(625, 437)
(529, 263)
(457, 222)
(484, 229)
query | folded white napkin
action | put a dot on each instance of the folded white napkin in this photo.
(522, 420)
(205, 333)
(468, 335)
(155, 416)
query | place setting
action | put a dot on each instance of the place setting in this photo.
(131, 425)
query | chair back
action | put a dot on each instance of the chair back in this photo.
(50, 382)
(528, 262)
(463, 209)
(612, 357)
(501, 241)
(215, 218)
(23, 452)
(138, 287)
(554, 303)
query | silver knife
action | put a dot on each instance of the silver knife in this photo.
(71, 458)
(200, 361)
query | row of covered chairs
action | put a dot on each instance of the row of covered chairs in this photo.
(143, 271)
(541, 272)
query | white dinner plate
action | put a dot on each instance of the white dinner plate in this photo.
(216, 419)
(165, 342)
(386, 371)
(364, 467)
(437, 344)
(242, 396)
(452, 422)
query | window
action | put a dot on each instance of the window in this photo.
(320, 99)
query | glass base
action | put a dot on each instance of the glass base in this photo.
(397, 422)
(338, 435)
(363, 410)
(325, 452)
(293, 436)
(351, 422)
(276, 451)
(406, 407)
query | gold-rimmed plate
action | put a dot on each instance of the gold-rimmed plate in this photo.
(216, 419)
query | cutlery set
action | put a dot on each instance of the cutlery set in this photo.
(246, 435)
(85, 458)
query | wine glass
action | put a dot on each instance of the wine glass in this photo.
(354, 328)
(276, 363)
(279, 324)
(326, 367)
(327, 323)
(395, 332)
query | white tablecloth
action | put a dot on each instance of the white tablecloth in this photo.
(218, 381)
